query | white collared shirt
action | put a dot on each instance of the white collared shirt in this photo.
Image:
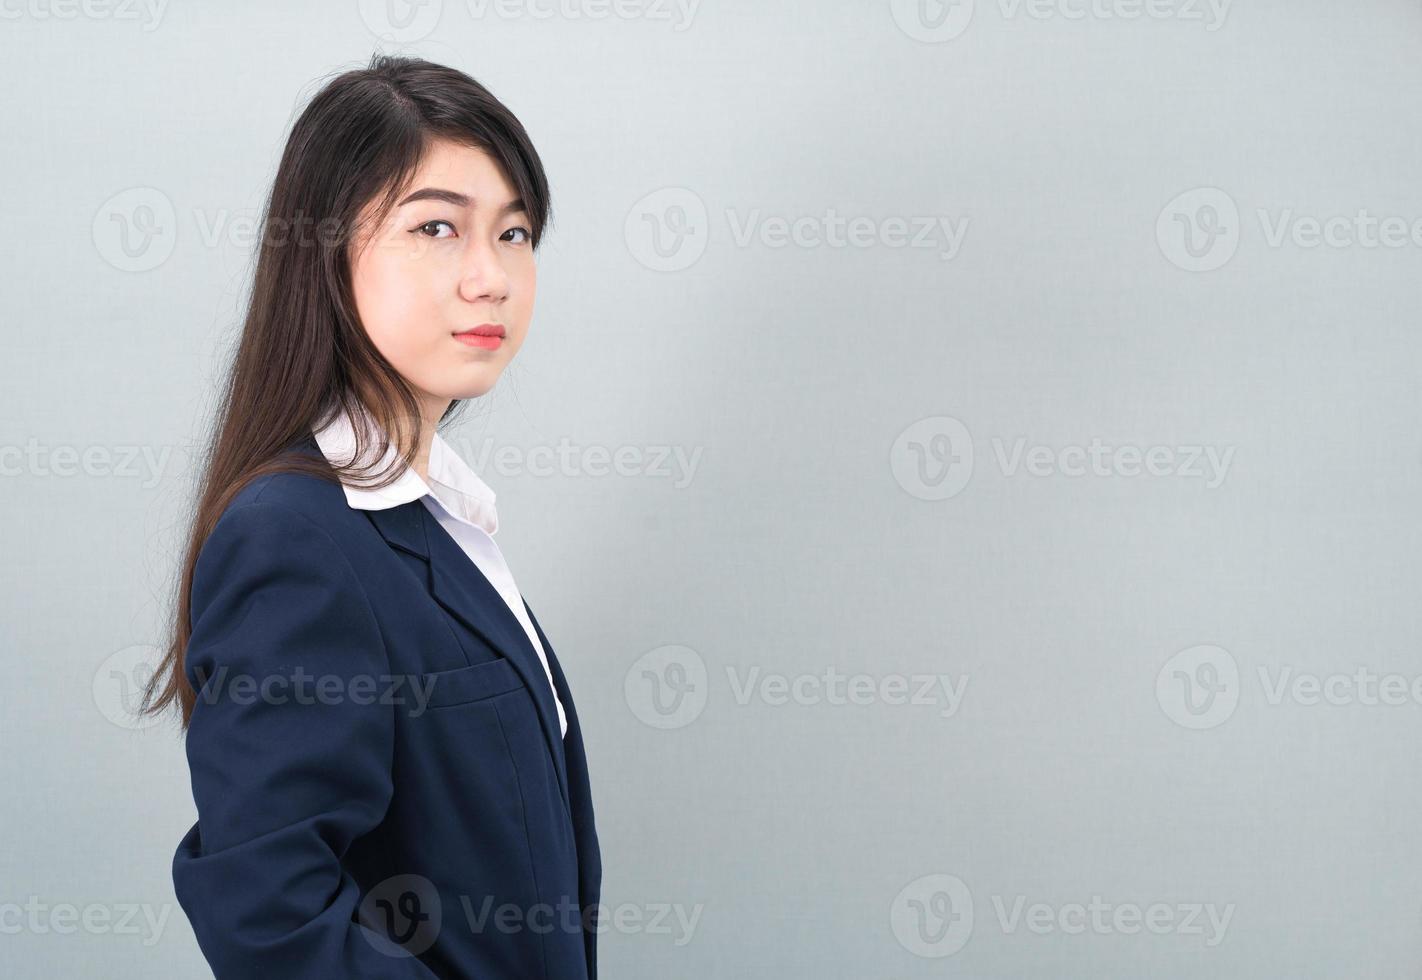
(461, 502)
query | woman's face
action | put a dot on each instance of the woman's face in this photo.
(456, 253)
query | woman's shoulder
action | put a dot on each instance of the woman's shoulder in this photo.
(280, 527)
(289, 499)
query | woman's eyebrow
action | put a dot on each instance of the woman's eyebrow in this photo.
(457, 199)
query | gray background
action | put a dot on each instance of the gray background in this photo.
(807, 836)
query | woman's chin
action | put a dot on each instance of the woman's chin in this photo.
(474, 387)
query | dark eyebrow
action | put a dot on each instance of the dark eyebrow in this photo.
(459, 200)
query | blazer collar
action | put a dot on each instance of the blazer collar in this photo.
(352, 438)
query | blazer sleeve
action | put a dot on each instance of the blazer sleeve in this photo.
(284, 777)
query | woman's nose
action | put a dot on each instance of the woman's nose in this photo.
(482, 276)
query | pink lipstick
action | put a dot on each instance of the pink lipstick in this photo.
(486, 335)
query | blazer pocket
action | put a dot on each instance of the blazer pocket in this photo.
(472, 683)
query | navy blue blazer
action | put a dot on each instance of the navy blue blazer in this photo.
(381, 785)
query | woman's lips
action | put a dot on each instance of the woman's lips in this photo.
(486, 335)
(471, 339)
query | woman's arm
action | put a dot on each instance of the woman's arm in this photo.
(284, 777)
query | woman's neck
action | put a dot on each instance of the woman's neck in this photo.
(433, 410)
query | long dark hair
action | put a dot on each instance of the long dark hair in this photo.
(303, 354)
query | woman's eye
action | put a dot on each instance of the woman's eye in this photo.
(527, 235)
(423, 229)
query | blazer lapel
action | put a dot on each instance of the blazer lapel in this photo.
(577, 761)
(458, 585)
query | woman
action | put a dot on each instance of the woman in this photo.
(387, 766)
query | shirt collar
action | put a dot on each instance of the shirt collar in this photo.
(456, 486)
